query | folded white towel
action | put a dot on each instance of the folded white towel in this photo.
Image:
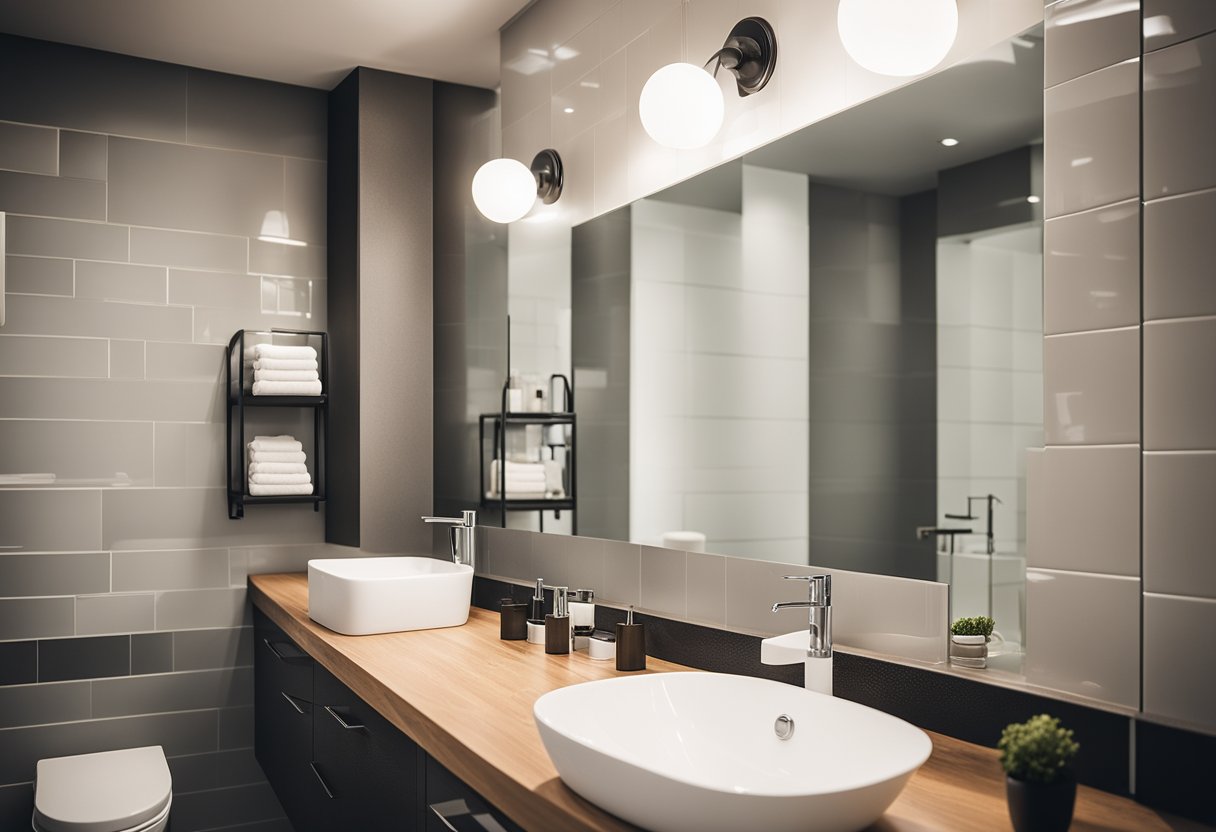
(532, 472)
(285, 375)
(280, 479)
(278, 444)
(259, 351)
(278, 468)
(263, 457)
(492, 494)
(258, 490)
(524, 467)
(283, 364)
(287, 388)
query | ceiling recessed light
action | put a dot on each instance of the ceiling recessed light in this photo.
(568, 110)
(1032, 199)
(949, 142)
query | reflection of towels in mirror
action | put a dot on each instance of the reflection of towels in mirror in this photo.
(523, 480)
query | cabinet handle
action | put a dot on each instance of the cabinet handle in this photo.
(349, 726)
(270, 646)
(457, 816)
(321, 780)
(291, 701)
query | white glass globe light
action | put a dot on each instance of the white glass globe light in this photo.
(681, 106)
(504, 190)
(897, 37)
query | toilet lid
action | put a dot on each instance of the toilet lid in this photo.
(106, 792)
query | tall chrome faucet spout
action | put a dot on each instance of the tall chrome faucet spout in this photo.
(463, 536)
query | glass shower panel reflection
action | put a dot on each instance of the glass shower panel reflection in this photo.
(990, 412)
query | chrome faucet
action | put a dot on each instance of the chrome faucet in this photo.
(464, 536)
(820, 604)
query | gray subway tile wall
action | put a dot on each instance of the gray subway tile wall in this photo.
(1179, 377)
(130, 211)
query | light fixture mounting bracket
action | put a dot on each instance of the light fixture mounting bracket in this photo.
(752, 47)
(547, 168)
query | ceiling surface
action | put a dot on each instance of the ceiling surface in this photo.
(313, 43)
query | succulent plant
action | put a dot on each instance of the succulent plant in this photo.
(1038, 750)
(980, 625)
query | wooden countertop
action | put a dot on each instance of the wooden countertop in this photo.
(466, 697)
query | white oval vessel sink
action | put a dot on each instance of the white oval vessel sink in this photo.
(361, 596)
(698, 752)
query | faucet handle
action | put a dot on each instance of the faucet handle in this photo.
(467, 518)
(819, 588)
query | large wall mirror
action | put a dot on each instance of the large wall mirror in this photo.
(828, 351)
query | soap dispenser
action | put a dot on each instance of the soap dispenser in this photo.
(536, 614)
(630, 644)
(557, 625)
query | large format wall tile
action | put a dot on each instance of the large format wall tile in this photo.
(1081, 634)
(32, 355)
(28, 148)
(165, 570)
(66, 238)
(1179, 250)
(1091, 517)
(1179, 391)
(1090, 146)
(26, 618)
(37, 315)
(1179, 524)
(1091, 387)
(191, 454)
(173, 692)
(189, 249)
(1085, 35)
(36, 705)
(1179, 119)
(52, 196)
(102, 452)
(250, 114)
(71, 573)
(120, 281)
(1179, 662)
(50, 521)
(118, 613)
(83, 155)
(38, 275)
(1170, 21)
(194, 188)
(90, 90)
(115, 399)
(1091, 269)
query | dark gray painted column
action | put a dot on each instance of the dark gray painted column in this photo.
(383, 289)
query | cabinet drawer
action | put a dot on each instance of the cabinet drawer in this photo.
(280, 662)
(372, 768)
(453, 806)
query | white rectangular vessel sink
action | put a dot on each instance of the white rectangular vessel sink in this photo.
(361, 596)
(703, 752)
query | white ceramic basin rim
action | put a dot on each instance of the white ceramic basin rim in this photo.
(693, 752)
(361, 596)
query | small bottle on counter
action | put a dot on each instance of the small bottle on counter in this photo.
(513, 620)
(557, 625)
(630, 644)
(536, 614)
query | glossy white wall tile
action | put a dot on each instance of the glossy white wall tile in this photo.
(1091, 387)
(1180, 384)
(1179, 252)
(1091, 269)
(1090, 140)
(1083, 634)
(1179, 120)
(1179, 524)
(1179, 661)
(1085, 35)
(1090, 519)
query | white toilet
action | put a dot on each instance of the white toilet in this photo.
(112, 791)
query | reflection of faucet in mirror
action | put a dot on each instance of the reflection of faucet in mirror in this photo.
(464, 539)
(970, 515)
(944, 535)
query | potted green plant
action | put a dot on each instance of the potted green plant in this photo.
(1040, 786)
(969, 641)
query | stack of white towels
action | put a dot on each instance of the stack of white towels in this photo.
(280, 370)
(528, 480)
(277, 467)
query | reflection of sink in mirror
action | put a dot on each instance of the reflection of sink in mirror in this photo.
(361, 596)
(702, 752)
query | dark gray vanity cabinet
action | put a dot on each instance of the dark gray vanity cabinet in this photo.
(335, 763)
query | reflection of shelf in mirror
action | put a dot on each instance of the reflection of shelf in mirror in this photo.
(534, 418)
(530, 504)
(284, 498)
